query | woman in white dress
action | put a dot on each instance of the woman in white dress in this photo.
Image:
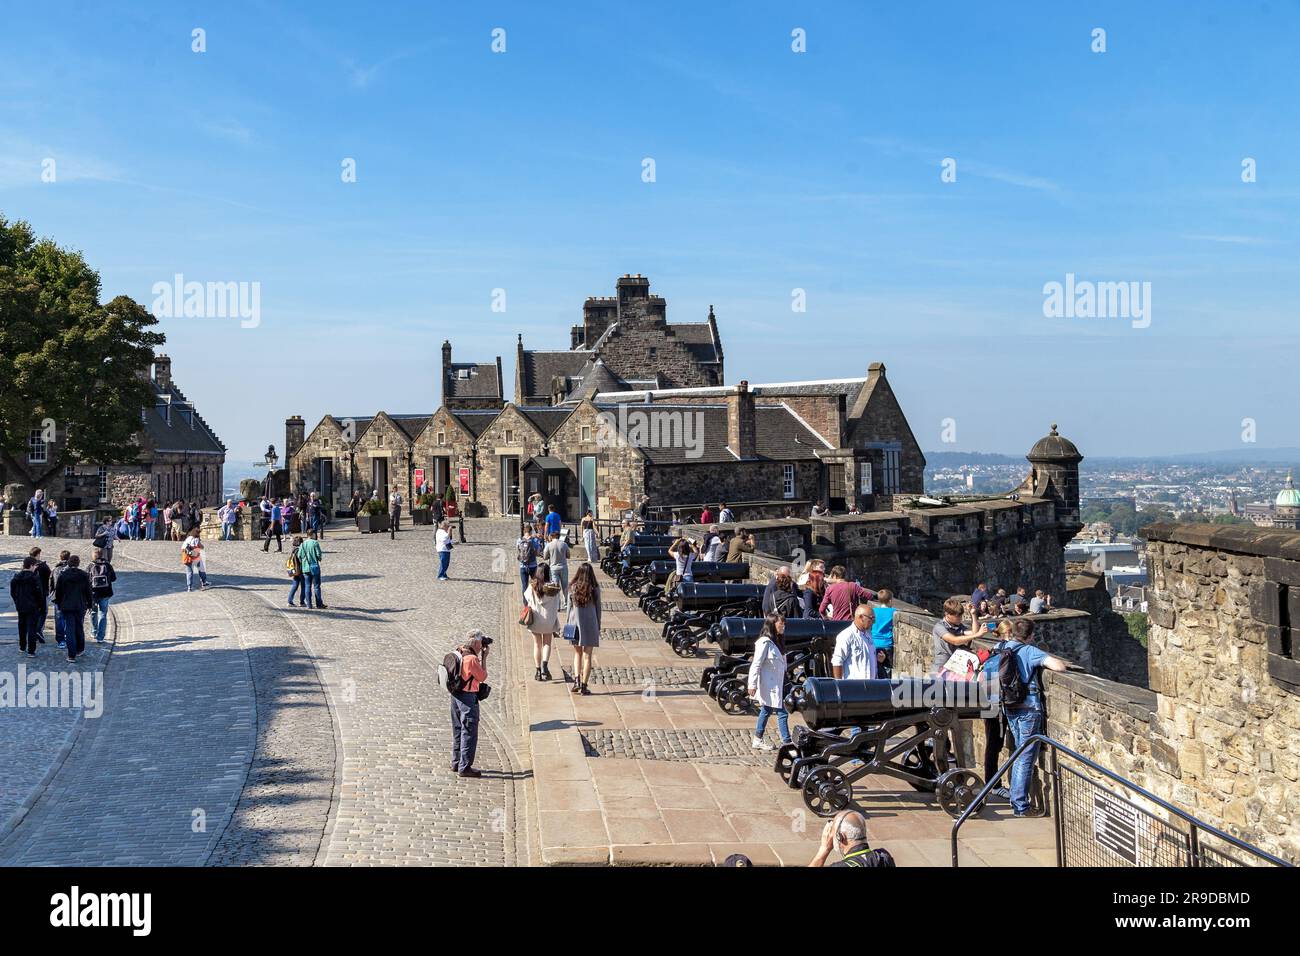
(543, 599)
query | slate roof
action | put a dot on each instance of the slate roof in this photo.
(412, 425)
(539, 367)
(547, 418)
(182, 433)
(698, 338)
(481, 382)
(780, 435)
(476, 419)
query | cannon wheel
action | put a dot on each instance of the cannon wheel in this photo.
(958, 789)
(683, 644)
(826, 791)
(785, 757)
(919, 761)
(733, 698)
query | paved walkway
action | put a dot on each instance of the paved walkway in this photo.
(240, 731)
(649, 770)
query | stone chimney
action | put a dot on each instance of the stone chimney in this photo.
(446, 367)
(295, 433)
(162, 371)
(740, 422)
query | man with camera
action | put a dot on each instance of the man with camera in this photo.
(473, 688)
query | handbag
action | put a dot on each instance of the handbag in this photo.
(571, 633)
(483, 691)
(526, 616)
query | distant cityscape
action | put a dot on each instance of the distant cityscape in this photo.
(1118, 496)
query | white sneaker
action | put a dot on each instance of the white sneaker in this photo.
(760, 744)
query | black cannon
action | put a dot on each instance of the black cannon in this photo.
(894, 727)
(727, 681)
(634, 567)
(736, 637)
(656, 601)
(700, 606)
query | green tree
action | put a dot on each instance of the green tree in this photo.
(67, 358)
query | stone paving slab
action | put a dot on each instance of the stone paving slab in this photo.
(656, 774)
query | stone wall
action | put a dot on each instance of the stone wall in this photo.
(724, 481)
(1226, 739)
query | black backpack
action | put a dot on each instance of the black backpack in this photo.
(99, 576)
(450, 673)
(1012, 689)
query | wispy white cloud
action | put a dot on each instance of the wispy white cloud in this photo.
(1232, 240)
(892, 146)
(230, 130)
(22, 163)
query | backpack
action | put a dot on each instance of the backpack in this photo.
(1012, 689)
(449, 673)
(99, 576)
(525, 551)
(292, 564)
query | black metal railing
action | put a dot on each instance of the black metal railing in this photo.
(1096, 826)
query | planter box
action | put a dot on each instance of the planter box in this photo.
(421, 516)
(372, 524)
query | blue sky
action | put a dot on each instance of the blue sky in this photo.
(774, 171)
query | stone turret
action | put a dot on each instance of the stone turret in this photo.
(295, 434)
(1054, 474)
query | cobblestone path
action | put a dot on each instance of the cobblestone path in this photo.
(237, 730)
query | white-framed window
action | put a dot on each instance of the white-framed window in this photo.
(889, 480)
(325, 443)
(380, 440)
(442, 438)
(37, 452)
(586, 433)
(144, 415)
(70, 471)
(103, 484)
(788, 481)
(510, 436)
(864, 477)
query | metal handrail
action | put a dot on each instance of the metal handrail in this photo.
(1058, 748)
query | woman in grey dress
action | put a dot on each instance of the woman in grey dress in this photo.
(584, 615)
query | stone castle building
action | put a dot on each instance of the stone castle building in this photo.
(635, 406)
(181, 457)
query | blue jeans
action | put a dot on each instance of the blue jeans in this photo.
(299, 582)
(226, 529)
(133, 530)
(311, 579)
(525, 573)
(37, 526)
(190, 571)
(1024, 724)
(98, 618)
(782, 722)
(444, 560)
(464, 729)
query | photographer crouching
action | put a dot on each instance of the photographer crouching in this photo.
(464, 673)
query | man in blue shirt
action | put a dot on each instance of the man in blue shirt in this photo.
(882, 633)
(1026, 718)
(552, 521)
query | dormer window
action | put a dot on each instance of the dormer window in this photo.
(462, 373)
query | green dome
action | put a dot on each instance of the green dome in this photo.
(1289, 496)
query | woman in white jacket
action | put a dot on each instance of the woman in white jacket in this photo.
(543, 599)
(767, 680)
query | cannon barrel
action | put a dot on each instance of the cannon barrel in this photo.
(693, 596)
(704, 571)
(737, 635)
(827, 702)
(641, 539)
(637, 556)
